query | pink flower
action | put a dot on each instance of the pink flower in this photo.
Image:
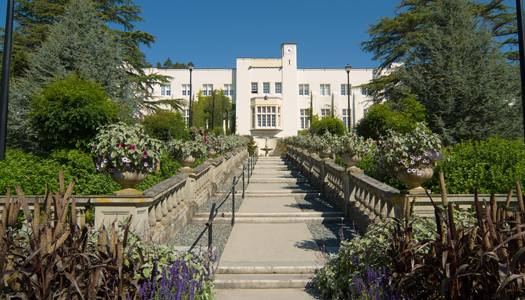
(132, 147)
(448, 150)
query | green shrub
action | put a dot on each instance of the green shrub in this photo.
(68, 112)
(492, 165)
(32, 172)
(163, 123)
(401, 117)
(333, 125)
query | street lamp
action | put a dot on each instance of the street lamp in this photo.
(190, 67)
(348, 68)
(6, 68)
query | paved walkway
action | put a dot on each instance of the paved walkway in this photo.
(270, 253)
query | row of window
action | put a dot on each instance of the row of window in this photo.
(266, 117)
(266, 88)
(165, 90)
(304, 116)
(304, 89)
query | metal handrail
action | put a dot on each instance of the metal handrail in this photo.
(247, 168)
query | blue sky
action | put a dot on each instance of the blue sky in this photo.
(212, 34)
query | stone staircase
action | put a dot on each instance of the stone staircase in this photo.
(270, 253)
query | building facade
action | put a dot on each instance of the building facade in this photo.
(272, 96)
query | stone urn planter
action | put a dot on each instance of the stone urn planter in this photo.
(415, 179)
(325, 153)
(186, 162)
(128, 179)
(212, 153)
(351, 159)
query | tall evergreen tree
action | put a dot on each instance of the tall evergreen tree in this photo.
(36, 17)
(461, 77)
(77, 43)
(391, 39)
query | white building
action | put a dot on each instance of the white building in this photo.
(272, 95)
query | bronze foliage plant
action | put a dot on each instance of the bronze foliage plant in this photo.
(484, 261)
(55, 256)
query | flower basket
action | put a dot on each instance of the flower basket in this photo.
(351, 159)
(186, 162)
(126, 153)
(415, 177)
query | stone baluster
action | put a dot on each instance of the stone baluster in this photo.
(151, 216)
(164, 206)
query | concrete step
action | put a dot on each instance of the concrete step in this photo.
(278, 180)
(279, 191)
(273, 220)
(262, 281)
(265, 194)
(267, 270)
(265, 294)
(277, 215)
(277, 167)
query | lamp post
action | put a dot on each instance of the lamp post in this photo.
(6, 68)
(348, 68)
(521, 40)
(190, 67)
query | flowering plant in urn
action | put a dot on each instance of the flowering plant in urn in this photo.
(411, 157)
(352, 148)
(121, 146)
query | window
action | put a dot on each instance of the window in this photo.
(186, 116)
(163, 90)
(346, 117)
(278, 87)
(266, 88)
(168, 90)
(254, 88)
(185, 90)
(266, 116)
(324, 90)
(305, 118)
(304, 89)
(228, 89)
(344, 90)
(207, 89)
(325, 113)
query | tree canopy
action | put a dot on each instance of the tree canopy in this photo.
(461, 77)
(168, 64)
(392, 39)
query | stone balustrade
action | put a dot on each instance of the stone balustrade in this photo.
(164, 209)
(365, 200)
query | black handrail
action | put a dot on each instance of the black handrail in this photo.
(213, 212)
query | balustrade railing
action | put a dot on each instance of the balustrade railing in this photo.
(164, 208)
(364, 199)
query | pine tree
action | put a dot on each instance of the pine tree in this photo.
(78, 43)
(391, 39)
(461, 77)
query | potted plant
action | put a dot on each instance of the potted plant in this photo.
(186, 152)
(126, 153)
(411, 157)
(352, 148)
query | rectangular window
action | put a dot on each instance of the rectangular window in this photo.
(266, 87)
(346, 117)
(267, 116)
(324, 90)
(168, 90)
(163, 90)
(228, 89)
(278, 87)
(304, 89)
(325, 113)
(344, 90)
(304, 115)
(254, 88)
(185, 90)
(207, 89)
(186, 116)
